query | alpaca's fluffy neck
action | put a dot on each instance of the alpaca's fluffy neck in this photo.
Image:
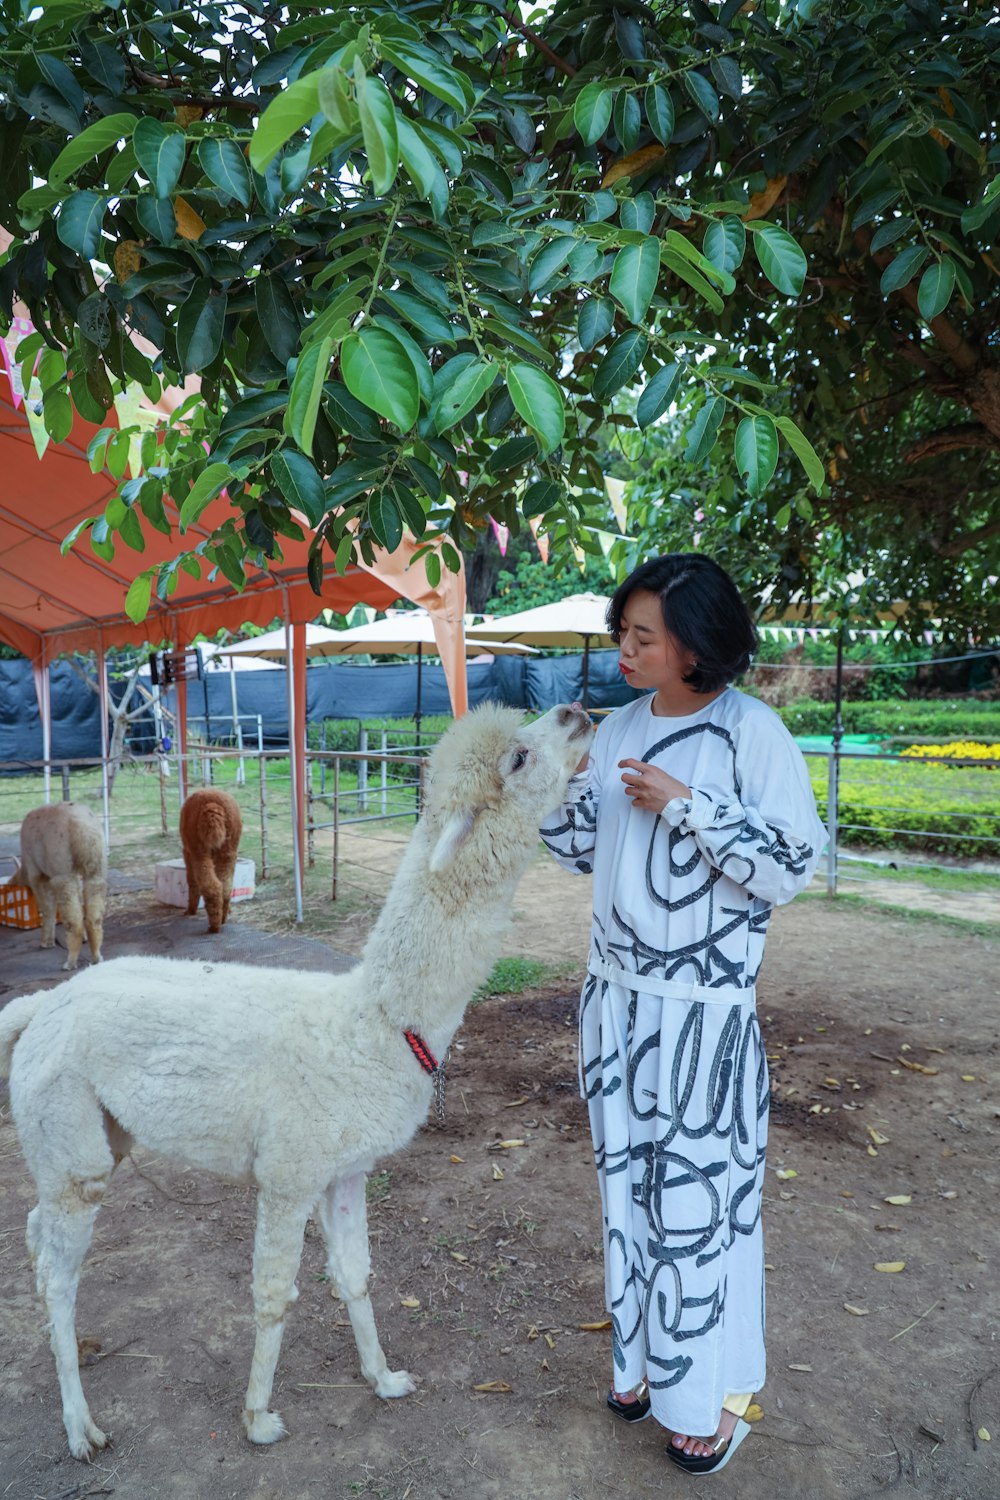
(439, 935)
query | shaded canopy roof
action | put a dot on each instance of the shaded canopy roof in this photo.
(402, 633)
(50, 604)
(563, 623)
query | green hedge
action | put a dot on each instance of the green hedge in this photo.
(911, 805)
(899, 718)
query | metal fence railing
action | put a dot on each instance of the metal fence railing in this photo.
(878, 808)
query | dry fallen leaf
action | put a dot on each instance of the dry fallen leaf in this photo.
(784, 1173)
(497, 1173)
(506, 1145)
(872, 1151)
(768, 1266)
(877, 1136)
(550, 1340)
(916, 1067)
(831, 1083)
(984, 1435)
(898, 1200)
(409, 1301)
(533, 1332)
(951, 1194)
(890, 1265)
(814, 1109)
(846, 1193)
(600, 1327)
(859, 1312)
(458, 1160)
(968, 1077)
(457, 1255)
(491, 1387)
(753, 1413)
(515, 1102)
(806, 1369)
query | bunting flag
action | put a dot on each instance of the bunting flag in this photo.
(19, 329)
(616, 495)
(502, 535)
(541, 542)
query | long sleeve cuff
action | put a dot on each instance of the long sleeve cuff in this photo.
(699, 811)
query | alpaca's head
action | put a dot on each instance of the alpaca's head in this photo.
(493, 777)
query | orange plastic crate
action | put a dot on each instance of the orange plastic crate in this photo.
(18, 907)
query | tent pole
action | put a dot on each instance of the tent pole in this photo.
(833, 783)
(181, 700)
(293, 759)
(420, 667)
(102, 689)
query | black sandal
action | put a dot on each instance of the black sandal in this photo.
(631, 1411)
(710, 1463)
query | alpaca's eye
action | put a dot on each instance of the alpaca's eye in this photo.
(520, 756)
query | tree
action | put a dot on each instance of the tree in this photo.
(421, 256)
(377, 235)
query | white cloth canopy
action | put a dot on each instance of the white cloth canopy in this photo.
(403, 632)
(567, 622)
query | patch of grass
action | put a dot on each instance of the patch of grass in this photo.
(377, 1187)
(512, 975)
(908, 913)
(940, 877)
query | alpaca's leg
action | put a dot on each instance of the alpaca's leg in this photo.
(281, 1224)
(58, 1236)
(344, 1220)
(227, 873)
(46, 898)
(211, 891)
(194, 893)
(95, 897)
(67, 894)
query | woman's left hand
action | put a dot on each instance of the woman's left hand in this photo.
(650, 788)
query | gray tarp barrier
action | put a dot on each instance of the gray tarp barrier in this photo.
(334, 690)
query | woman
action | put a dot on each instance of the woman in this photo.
(695, 813)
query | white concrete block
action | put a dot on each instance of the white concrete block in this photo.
(170, 882)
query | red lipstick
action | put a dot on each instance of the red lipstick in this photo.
(627, 670)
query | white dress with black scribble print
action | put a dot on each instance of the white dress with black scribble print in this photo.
(671, 1062)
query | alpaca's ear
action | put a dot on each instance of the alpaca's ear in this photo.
(454, 834)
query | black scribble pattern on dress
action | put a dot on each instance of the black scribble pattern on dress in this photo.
(572, 841)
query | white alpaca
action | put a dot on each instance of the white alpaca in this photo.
(298, 1083)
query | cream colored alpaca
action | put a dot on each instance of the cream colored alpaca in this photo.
(63, 860)
(297, 1082)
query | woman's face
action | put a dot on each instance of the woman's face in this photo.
(649, 656)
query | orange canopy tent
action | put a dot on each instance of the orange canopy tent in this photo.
(51, 604)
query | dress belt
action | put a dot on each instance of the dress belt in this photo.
(670, 989)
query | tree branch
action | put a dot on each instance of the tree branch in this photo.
(949, 439)
(516, 24)
(969, 539)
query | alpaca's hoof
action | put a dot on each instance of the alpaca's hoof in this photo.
(394, 1383)
(68, 965)
(263, 1426)
(84, 1444)
(44, 944)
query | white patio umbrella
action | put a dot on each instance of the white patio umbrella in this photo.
(567, 622)
(404, 632)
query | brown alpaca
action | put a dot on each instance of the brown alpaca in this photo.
(63, 860)
(211, 825)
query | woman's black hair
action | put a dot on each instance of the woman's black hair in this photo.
(701, 608)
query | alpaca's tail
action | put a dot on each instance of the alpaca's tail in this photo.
(15, 1018)
(212, 829)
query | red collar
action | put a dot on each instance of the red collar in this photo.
(422, 1052)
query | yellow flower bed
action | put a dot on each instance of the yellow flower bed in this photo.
(957, 750)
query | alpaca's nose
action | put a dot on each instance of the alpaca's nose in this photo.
(572, 713)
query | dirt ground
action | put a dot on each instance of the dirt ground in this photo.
(882, 1035)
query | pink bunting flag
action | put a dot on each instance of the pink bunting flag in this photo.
(502, 535)
(19, 329)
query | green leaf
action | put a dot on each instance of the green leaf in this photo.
(596, 320)
(282, 118)
(335, 100)
(307, 389)
(445, 83)
(903, 269)
(781, 258)
(804, 452)
(200, 325)
(660, 113)
(385, 520)
(888, 233)
(592, 111)
(277, 315)
(935, 289)
(416, 356)
(57, 414)
(137, 598)
(726, 243)
(620, 363)
(658, 394)
(539, 497)
(378, 126)
(210, 482)
(432, 566)
(756, 452)
(90, 143)
(634, 276)
(378, 372)
(638, 213)
(705, 430)
(539, 402)
(79, 223)
(549, 260)
(300, 483)
(157, 217)
(703, 94)
(977, 213)
(456, 399)
(160, 152)
(512, 454)
(627, 120)
(422, 165)
(682, 267)
(224, 164)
